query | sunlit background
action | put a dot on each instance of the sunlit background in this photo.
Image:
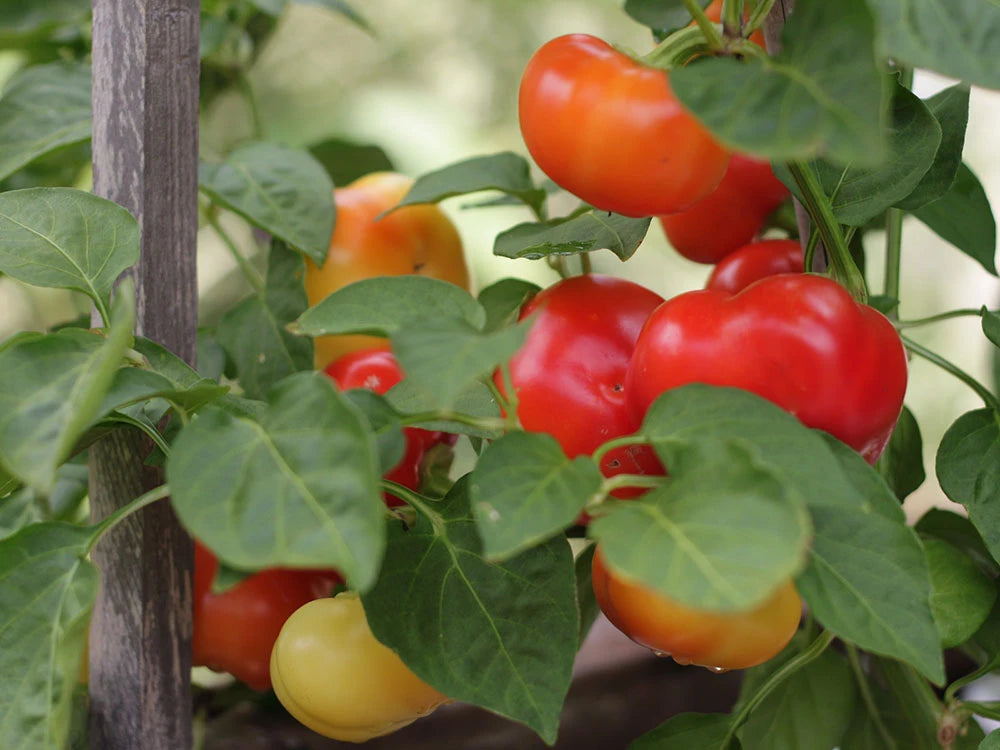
(438, 83)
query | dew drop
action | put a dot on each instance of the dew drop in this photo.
(717, 670)
(661, 654)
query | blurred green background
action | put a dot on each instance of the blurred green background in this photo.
(437, 82)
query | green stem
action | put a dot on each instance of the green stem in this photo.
(709, 29)
(512, 418)
(916, 322)
(842, 266)
(414, 500)
(732, 17)
(483, 423)
(619, 481)
(678, 48)
(558, 264)
(915, 698)
(756, 19)
(251, 273)
(102, 310)
(961, 682)
(983, 392)
(585, 265)
(867, 698)
(811, 652)
(246, 89)
(810, 252)
(602, 450)
(893, 257)
(989, 709)
(112, 520)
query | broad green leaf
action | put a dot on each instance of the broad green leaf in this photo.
(424, 345)
(43, 108)
(284, 191)
(958, 38)
(133, 385)
(959, 532)
(797, 105)
(7, 483)
(385, 426)
(271, 7)
(346, 161)
(991, 326)
(345, 9)
(861, 193)
(65, 238)
(254, 335)
(475, 400)
(951, 109)
(47, 591)
(682, 419)
(963, 217)
(902, 464)
(723, 534)
(17, 510)
(503, 300)
(968, 468)
(992, 741)
(298, 488)
(583, 233)
(586, 602)
(962, 594)
(211, 357)
(524, 490)
(810, 710)
(55, 385)
(500, 636)
(386, 304)
(507, 172)
(661, 15)
(23, 19)
(689, 731)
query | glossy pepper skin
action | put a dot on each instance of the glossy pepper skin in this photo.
(569, 375)
(609, 130)
(730, 216)
(376, 369)
(332, 675)
(235, 629)
(754, 262)
(416, 239)
(719, 640)
(797, 340)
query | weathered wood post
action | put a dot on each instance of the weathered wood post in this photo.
(145, 71)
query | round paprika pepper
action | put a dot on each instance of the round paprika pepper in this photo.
(569, 376)
(609, 129)
(797, 340)
(235, 629)
(754, 262)
(417, 239)
(332, 675)
(730, 216)
(717, 640)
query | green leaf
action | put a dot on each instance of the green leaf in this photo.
(17, 510)
(7, 483)
(723, 534)
(346, 161)
(962, 594)
(992, 741)
(991, 326)
(968, 468)
(500, 636)
(253, 333)
(422, 347)
(862, 193)
(583, 233)
(65, 238)
(298, 488)
(950, 108)
(385, 426)
(797, 105)
(47, 591)
(963, 217)
(810, 710)
(902, 464)
(503, 300)
(662, 16)
(867, 579)
(524, 490)
(475, 400)
(507, 172)
(24, 19)
(54, 387)
(284, 191)
(689, 731)
(586, 601)
(958, 38)
(43, 108)
(343, 8)
(959, 532)
(384, 305)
